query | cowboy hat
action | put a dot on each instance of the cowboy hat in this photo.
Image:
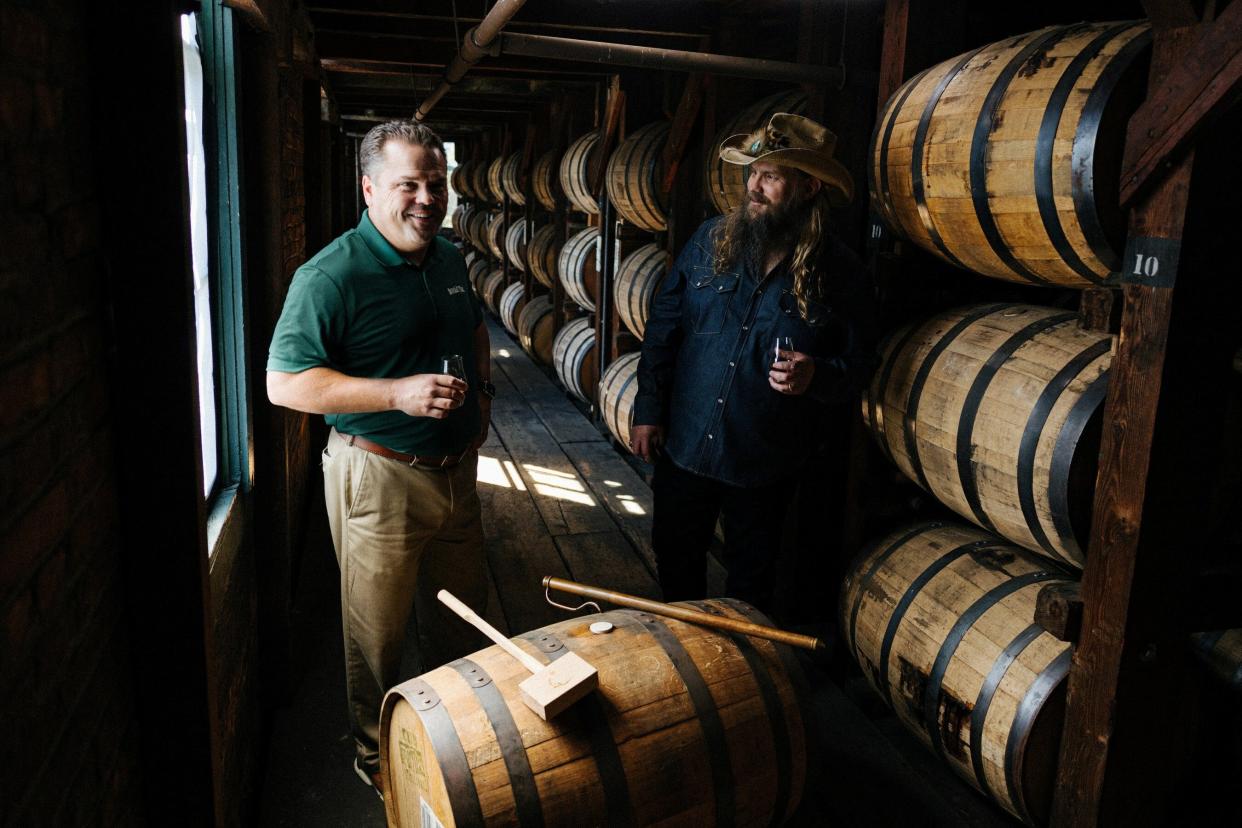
(792, 141)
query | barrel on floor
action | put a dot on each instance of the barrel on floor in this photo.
(689, 727)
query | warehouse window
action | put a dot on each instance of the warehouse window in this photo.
(213, 178)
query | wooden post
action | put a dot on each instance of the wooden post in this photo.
(1095, 309)
(1120, 576)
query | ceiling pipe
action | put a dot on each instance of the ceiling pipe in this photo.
(651, 57)
(473, 46)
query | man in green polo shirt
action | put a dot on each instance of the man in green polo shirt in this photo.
(362, 337)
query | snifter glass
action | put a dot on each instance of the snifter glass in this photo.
(783, 343)
(453, 364)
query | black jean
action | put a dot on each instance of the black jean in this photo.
(686, 509)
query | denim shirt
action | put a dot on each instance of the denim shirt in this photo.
(708, 347)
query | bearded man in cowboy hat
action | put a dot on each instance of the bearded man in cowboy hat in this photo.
(758, 328)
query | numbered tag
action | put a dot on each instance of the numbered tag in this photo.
(1150, 261)
(877, 233)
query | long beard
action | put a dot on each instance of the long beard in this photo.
(756, 235)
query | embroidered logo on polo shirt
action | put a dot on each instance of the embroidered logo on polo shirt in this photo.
(456, 289)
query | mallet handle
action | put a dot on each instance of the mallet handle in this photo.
(686, 614)
(470, 616)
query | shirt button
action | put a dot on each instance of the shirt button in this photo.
(720, 401)
(730, 364)
(746, 327)
(709, 437)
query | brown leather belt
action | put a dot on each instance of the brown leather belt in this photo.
(409, 459)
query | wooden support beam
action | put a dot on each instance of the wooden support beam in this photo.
(1095, 309)
(683, 124)
(1118, 571)
(608, 138)
(1207, 81)
(893, 54)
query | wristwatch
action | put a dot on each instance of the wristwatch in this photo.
(487, 388)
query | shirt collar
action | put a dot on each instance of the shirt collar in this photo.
(383, 250)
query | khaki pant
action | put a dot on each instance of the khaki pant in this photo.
(401, 534)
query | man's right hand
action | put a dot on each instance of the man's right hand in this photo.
(428, 395)
(646, 441)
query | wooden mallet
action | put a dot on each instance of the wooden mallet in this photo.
(551, 687)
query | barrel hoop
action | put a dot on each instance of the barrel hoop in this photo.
(1028, 709)
(584, 341)
(865, 582)
(885, 198)
(708, 716)
(594, 722)
(1083, 159)
(920, 379)
(450, 755)
(876, 402)
(916, 158)
(529, 809)
(967, 472)
(979, 151)
(616, 404)
(912, 592)
(1035, 428)
(649, 194)
(1063, 456)
(979, 716)
(948, 648)
(1045, 145)
(802, 695)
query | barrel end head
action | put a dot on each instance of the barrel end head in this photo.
(559, 685)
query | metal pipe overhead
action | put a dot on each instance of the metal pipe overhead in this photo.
(473, 46)
(650, 57)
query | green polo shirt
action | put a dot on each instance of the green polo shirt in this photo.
(360, 308)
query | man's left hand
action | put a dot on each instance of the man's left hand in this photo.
(792, 373)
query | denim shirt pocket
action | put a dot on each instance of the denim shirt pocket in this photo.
(709, 296)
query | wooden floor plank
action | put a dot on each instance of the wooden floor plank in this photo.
(546, 399)
(624, 493)
(562, 497)
(607, 560)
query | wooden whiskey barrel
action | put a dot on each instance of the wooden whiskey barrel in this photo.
(480, 189)
(459, 180)
(1006, 160)
(515, 243)
(459, 219)
(476, 228)
(577, 270)
(542, 255)
(576, 173)
(495, 186)
(573, 356)
(512, 300)
(545, 179)
(617, 390)
(479, 269)
(535, 328)
(495, 236)
(512, 181)
(493, 286)
(633, 177)
(941, 620)
(995, 410)
(636, 283)
(726, 183)
(689, 726)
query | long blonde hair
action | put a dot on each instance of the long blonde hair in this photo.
(807, 279)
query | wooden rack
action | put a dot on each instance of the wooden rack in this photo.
(1127, 683)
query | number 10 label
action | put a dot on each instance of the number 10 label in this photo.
(1150, 261)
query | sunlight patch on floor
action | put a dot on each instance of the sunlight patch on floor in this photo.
(514, 477)
(491, 472)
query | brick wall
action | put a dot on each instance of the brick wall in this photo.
(66, 694)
